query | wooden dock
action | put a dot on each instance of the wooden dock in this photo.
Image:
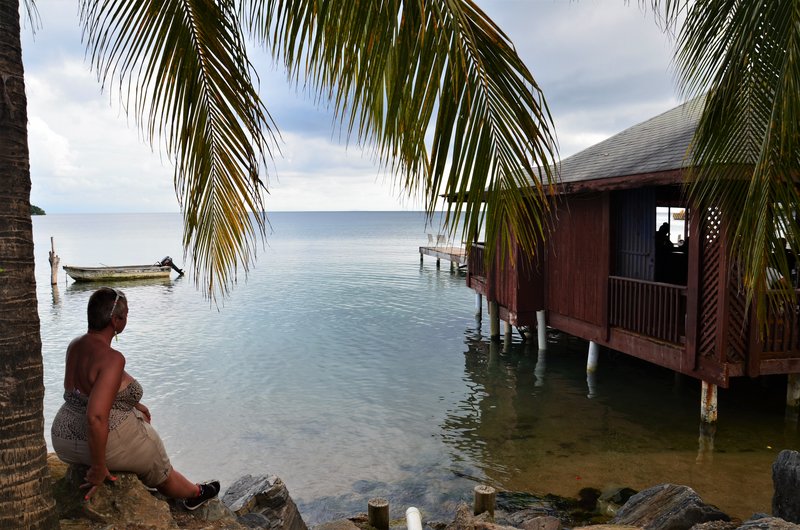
(455, 255)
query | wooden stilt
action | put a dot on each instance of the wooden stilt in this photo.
(508, 331)
(438, 263)
(708, 403)
(591, 384)
(541, 328)
(539, 370)
(494, 321)
(54, 261)
(484, 500)
(705, 443)
(452, 267)
(378, 513)
(792, 397)
(478, 306)
(592, 358)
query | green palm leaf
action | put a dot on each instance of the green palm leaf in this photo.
(183, 72)
(439, 92)
(746, 56)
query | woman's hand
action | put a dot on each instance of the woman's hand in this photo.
(94, 479)
(144, 410)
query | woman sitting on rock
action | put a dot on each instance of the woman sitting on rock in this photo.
(102, 424)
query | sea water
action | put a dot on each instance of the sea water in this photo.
(345, 366)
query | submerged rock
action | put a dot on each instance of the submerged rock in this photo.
(667, 507)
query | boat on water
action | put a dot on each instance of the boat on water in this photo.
(160, 269)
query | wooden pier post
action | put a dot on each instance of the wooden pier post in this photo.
(592, 358)
(484, 500)
(478, 306)
(591, 384)
(705, 443)
(494, 321)
(708, 403)
(378, 513)
(792, 397)
(438, 263)
(540, 368)
(541, 328)
(54, 261)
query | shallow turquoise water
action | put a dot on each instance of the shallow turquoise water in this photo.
(351, 371)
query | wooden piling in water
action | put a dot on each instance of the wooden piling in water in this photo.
(485, 497)
(378, 513)
(494, 321)
(708, 403)
(54, 261)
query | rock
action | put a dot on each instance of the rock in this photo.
(465, 520)
(341, 524)
(768, 523)
(786, 485)
(608, 527)
(266, 496)
(117, 503)
(611, 500)
(667, 507)
(542, 523)
(717, 525)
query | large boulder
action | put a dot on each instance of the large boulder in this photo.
(120, 503)
(263, 502)
(786, 485)
(667, 507)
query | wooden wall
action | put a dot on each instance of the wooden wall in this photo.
(578, 259)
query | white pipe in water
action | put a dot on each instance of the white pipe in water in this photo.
(413, 519)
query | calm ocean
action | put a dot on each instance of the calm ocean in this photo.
(342, 365)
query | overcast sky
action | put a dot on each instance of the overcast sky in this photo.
(604, 65)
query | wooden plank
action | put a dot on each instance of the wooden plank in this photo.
(454, 254)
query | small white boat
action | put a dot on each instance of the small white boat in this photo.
(122, 272)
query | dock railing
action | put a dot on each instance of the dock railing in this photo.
(653, 309)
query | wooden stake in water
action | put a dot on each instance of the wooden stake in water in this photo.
(484, 500)
(378, 513)
(54, 261)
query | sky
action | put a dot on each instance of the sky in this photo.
(603, 65)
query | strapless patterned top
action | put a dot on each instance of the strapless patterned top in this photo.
(70, 422)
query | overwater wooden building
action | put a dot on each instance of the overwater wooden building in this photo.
(602, 276)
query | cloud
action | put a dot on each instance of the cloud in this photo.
(604, 66)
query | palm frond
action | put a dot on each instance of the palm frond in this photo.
(440, 93)
(746, 56)
(183, 72)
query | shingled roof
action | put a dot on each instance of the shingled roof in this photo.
(657, 145)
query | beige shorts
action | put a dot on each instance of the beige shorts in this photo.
(134, 446)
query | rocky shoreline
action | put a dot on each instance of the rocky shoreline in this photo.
(264, 502)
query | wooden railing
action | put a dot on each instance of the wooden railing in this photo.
(476, 264)
(781, 336)
(653, 309)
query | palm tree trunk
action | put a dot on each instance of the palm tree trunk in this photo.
(25, 497)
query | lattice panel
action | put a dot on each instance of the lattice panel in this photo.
(712, 224)
(738, 326)
(711, 255)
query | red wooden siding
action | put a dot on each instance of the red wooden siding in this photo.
(578, 260)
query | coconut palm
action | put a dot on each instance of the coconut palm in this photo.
(745, 56)
(433, 86)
